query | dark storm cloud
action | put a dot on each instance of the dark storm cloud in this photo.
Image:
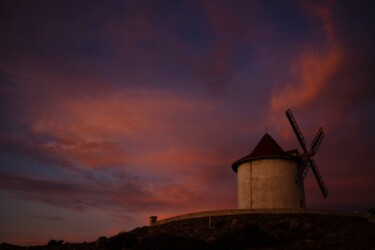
(124, 194)
(16, 144)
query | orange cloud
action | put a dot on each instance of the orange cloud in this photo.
(137, 127)
(314, 73)
(311, 74)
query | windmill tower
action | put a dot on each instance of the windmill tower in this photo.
(270, 177)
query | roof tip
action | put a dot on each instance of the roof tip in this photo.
(266, 147)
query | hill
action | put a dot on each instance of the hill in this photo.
(274, 230)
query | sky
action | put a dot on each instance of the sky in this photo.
(113, 111)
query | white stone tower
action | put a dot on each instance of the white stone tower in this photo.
(266, 178)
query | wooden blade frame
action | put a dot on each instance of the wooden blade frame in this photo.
(318, 177)
(317, 141)
(296, 130)
(307, 155)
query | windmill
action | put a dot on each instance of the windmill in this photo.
(307, 155)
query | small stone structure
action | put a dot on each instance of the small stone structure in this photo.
(153, 220)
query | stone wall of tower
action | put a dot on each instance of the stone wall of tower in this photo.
(269, 183)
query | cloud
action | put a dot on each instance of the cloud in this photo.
(329, 86)
(312, 72)
(133, 194)
(125, 196)
(16, 144)
(231, 28)
(107, 128)
(109, 104)
(50, 192)
(48, 218)
(141, 131)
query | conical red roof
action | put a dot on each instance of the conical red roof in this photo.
(266, 148)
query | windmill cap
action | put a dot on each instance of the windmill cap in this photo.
(267, 147)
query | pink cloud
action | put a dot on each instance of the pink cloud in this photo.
(312, 75)
(138, 130)
(312, 71)
(102, 130)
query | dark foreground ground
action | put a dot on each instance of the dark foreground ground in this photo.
(248, 231)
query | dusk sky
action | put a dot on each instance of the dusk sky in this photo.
(112, 111)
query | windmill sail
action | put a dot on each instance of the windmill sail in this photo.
(296, 130)
(307, 155)
(318, 177)
(317, 141)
